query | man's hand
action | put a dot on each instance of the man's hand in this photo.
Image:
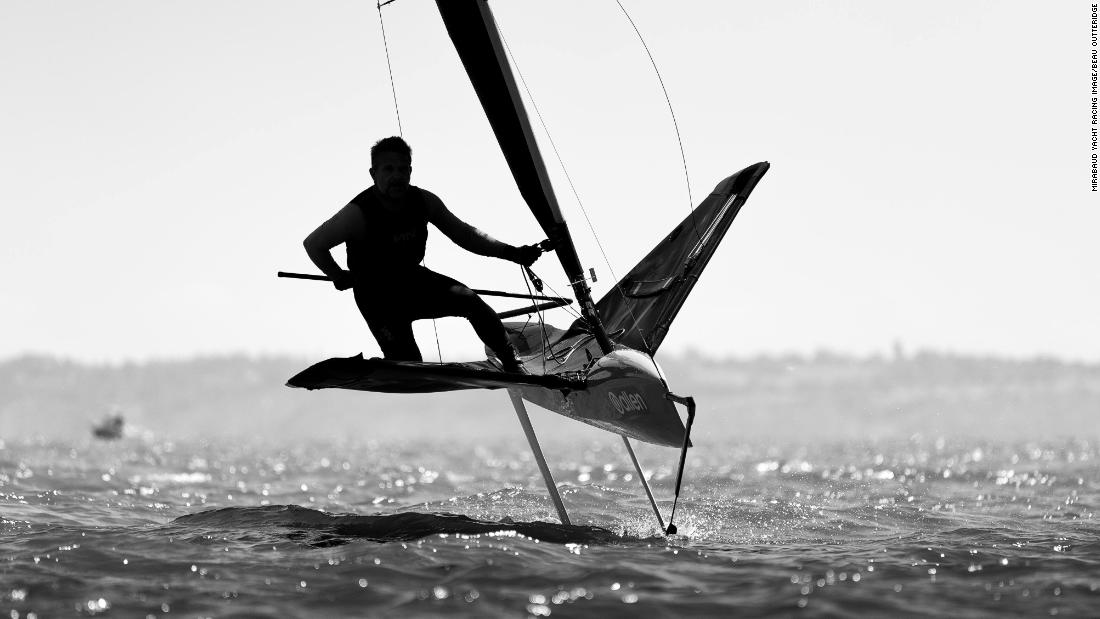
(343, 280)
(526, 255)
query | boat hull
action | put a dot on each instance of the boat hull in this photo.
(624, 394)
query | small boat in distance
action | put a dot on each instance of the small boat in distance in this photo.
(110, 427)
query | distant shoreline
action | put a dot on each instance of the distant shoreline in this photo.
(786, 397)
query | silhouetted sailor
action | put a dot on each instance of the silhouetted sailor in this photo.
(386, 228)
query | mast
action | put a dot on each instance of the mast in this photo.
(474, 33)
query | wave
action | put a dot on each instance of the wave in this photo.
(324, 529)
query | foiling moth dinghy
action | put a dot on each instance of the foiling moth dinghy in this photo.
(600, 370)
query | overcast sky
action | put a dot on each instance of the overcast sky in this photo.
(930, 178)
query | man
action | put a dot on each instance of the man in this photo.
(386, 228)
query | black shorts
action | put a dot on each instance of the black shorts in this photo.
(411, 294)
(392, 302)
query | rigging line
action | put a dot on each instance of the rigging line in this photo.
(401, 132)
(576, 195)
(675, 125)
(542, 327)
(435, 329)
(561, 162)
(521, 331)
(687, 178)
(538, 312)
(557, 154)
(561, 356)
(572, 312)
(389, 66)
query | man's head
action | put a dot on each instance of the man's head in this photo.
(391, 166)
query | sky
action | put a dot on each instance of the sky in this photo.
(930, 182)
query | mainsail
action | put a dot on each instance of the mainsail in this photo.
(474, 34)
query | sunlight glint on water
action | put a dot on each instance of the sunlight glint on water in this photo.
(147, 527)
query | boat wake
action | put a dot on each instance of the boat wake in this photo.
(318, 528)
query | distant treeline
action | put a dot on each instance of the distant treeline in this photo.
(796, 397)
(927, 393)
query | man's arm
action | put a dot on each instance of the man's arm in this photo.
(338, 229)
(471, 239)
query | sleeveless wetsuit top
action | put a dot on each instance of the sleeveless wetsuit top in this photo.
(394, 240)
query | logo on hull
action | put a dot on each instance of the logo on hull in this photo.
(626, 402)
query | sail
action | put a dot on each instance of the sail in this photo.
(472, 30)
(641, 308)
(474, 33)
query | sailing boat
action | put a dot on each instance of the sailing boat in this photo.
(600, 369)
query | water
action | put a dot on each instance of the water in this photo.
(920, 527)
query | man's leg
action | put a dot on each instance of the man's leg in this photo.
(395, 337)
(393, 333)
(444, 296)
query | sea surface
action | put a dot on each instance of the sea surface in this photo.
(924, 526)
